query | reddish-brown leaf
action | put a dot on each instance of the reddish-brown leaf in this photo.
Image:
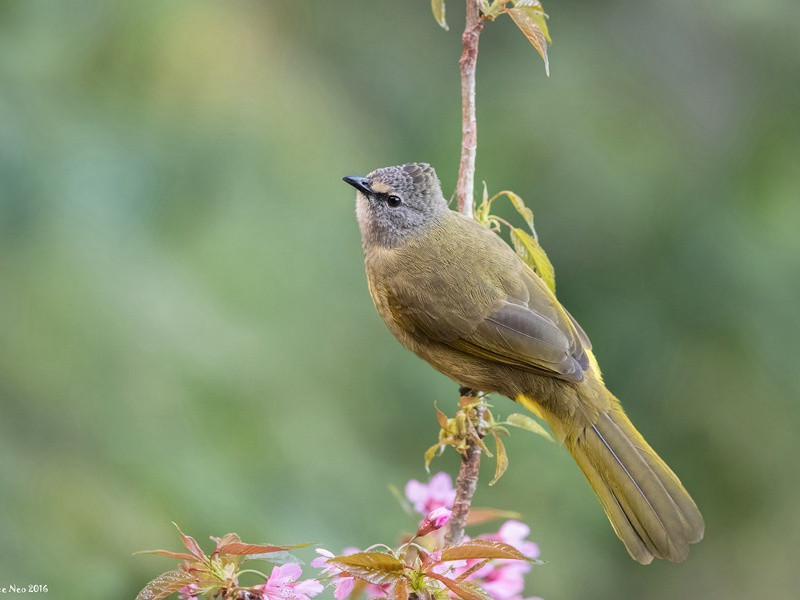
(190, 543)
(441, 417)
(475, 588)
(374, 567)
(458, 589)
(178, 555)
(242, 549)
(482, 549)
(477, 516)
(165, 584)
(476, 567)
(399, 590)
(228, 538)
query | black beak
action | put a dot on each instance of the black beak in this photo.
(360, 183)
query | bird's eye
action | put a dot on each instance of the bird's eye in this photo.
(393, 201)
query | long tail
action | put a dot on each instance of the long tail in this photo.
(649, 509)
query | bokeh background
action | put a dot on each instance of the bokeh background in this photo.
(185, 330)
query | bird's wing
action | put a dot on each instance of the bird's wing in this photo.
(530, 329)
(516, 321)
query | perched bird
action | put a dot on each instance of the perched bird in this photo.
(454, 293)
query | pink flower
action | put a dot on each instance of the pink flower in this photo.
(188, 592)
(506, 581)
(437, 493)
(342, 584)
(436, 519)
(283, 584)
(514, 533)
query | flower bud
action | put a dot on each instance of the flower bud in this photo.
(436, 519)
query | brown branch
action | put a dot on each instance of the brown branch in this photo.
(471, 460)
(466, 483)
(469, 125)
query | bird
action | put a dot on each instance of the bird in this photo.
(457, 295)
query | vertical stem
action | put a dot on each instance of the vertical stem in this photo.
(465, 485)
(471, 460)
(469, 124)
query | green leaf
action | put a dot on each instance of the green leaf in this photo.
(534, 255)
(502, 459)
(165, 584)
(481, 213)
(536, 12)
(477, 516)
(491, 10)
(482, 549)
(437, 6)
(531, 21)
(528, 423)
(430, 453)
(519, 205)
(374, 567)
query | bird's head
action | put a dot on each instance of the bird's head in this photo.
(394, 204)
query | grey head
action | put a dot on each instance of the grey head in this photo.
(395, 204)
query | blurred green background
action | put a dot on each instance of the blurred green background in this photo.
(185, 330)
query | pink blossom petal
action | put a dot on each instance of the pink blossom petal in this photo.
(287, 572)
(282, 584)
(321, 561)
(417, 494)
(308, 587)
(436, 493)
(187, 592)
(455, 566)
(439, 516)
(504, 583)
(529, 549)
(512, 532)
(344, 585)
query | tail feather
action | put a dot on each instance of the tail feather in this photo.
(646, 504)
(625, 530)
(649, 509)
(693, 520)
